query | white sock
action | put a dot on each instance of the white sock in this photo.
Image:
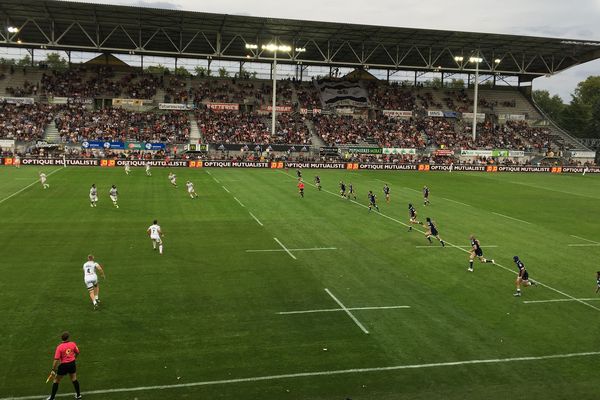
(160, 249)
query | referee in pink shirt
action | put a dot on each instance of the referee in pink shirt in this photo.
(64, 359)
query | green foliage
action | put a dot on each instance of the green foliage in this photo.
(24, 62)
(456, 84)
(156, 69)
(182, 71)
(55, 62)
(201, 72)
(553, 106)
(223, 73)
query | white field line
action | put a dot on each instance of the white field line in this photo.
(514, 219)
(320, 373)
(216, 180)
(340, 309)
(356, 321)
(227, 190)
(559, 300)
(285, 248)
(418, 191)
(458, 247)
(239, 202)
(256, 219)
(457, 202)
(584, 239)
(584, 245)
(208, 172)
(27, 187)
(467, 251)
(280, 250)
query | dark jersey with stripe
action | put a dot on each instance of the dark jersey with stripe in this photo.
(521, 266)
(432, 228)
(475, 244)
(372, 198)
(412, 213)
(317, 179)
(299, 173)
(350, 188)
(386, 190)
(342, 187)
(425, 192)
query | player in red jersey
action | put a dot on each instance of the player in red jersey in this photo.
(301, 187)
(64, 363)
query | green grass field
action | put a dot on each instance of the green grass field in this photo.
(202, 321)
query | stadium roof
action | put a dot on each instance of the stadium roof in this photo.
(62, 25)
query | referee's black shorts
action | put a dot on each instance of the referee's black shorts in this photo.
(66, 368)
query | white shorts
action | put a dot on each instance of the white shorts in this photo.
(93, 199)
(91, 282)
(156, 239)
(113, 198)
(191, 190)
(43, 181)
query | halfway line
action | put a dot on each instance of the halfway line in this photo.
(285, 248)
(321, 373)
(356, 321)
(227, 190)
(278, 250)
(239, 202)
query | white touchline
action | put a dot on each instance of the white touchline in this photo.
(584, 239)
(216, 180)
(256, 219)
(584, 245)
(28, 186)
(459, 248)
(514, 219)
(321, 373)
(285, 248)
(356, 321)
(340, 309)
(240, 203)
(457, 202)
(559, 300)
(227, 190)
(280, 250)
(418, 191)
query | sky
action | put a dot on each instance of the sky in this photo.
(575, 19)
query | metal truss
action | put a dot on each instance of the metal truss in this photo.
(182, 42)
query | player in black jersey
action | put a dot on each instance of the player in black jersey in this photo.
(425, 195)
(342, 189)
(523, 278)
(386, 192)
(598, 281)
(476, 251)
(412, 217)
(351, 191)
(299, 174)
(372, 201)
(432, 231)
(318, 182)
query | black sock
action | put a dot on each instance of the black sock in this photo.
(443, 244)
(54, 390)
(471, 264)
(488, 261)
(428, 238)
(410, 228)
(76, 386)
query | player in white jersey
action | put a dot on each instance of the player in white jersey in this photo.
(91, 278)
(148, 173)
(17, 161)
(93, 195)
(43, 179)
(191, 190)
(114, 193)
(173, 179)
(127, 169)
(156, 236)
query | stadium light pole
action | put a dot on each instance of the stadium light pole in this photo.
(476, 61)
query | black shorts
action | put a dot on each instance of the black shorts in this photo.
(479, 252)
(525, 276)
(67, 368)
(434, 232)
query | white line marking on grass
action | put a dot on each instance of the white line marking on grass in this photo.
(584, 239)
(239, 202)
(256, 219)
(227, 190)
(466, 251)
(208, 172)
(280, 250)
(418, 191)
(514, 219)
(459, 247)
(320, 373)
(559, 300)
(584, 245)
(340, 309)
(216, 180)
(285, 248)
(28, 186)
(356, 321)
(457, 202)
